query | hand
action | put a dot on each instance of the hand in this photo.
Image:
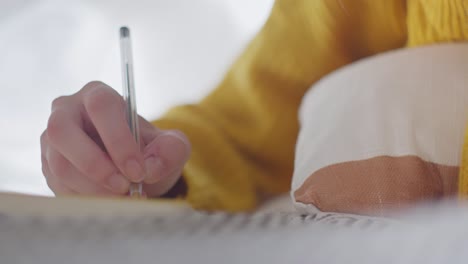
(88, 148)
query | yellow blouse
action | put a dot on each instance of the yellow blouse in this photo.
(243, 134)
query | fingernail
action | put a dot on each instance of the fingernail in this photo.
(117, 182)
(155, 169)
(134, 170)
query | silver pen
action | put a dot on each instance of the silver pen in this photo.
(128, 86)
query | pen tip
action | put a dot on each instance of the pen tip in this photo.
(124, 32)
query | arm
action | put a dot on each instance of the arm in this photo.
(243, 134)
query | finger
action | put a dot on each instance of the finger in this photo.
(148, 131)
(65, 173)
(163, 186)
(67, 137)
(106, 109)
(44, 162)
(166, 155)
(54, 185)
(45, 167)
(57, 188)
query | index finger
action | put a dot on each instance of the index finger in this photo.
(65, 135)
(106, 110)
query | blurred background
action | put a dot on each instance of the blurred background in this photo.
(50, 48)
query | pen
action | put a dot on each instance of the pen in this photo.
(128, 87)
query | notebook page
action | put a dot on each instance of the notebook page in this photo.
(85, 207)
(85, 230)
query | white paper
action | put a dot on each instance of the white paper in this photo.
(88, 230)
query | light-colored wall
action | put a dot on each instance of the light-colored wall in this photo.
(53, 47)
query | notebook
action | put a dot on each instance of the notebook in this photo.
(89, 230)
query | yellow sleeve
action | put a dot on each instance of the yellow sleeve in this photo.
(463, 173)
(243, 134)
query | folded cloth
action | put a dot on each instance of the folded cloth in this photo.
(385, 132)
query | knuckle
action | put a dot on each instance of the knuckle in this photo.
(55, 125)
(93, 85)
(99, 99)
(60, 101)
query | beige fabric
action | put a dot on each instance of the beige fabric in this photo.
(375, 185)
(383, 133)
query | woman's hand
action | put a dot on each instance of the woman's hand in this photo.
(88, 148)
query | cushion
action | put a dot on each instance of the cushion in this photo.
(383, 133)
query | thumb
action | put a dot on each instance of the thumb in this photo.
(165, 156)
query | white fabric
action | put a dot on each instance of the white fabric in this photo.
(405, 102)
